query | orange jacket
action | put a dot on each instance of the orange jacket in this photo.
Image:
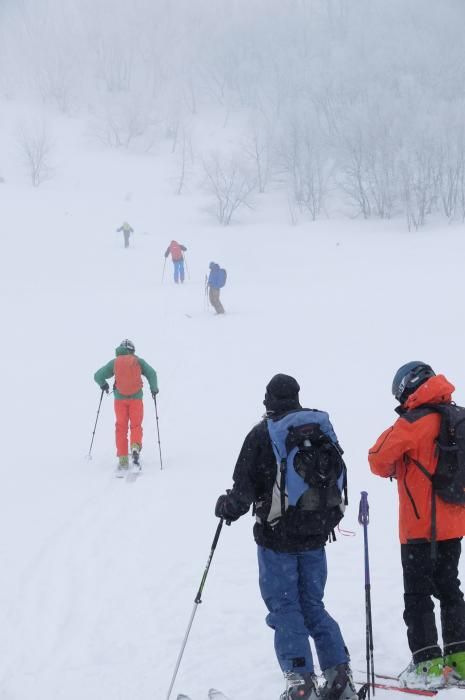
(389, 457)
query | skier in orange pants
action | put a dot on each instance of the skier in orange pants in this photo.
(129, 412)
(128, 370)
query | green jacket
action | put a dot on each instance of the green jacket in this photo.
(108, 371)
(126, 228)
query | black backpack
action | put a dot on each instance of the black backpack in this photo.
(319, 463)
(448, 481)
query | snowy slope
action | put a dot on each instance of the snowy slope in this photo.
(99, 576)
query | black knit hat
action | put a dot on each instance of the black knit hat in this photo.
(282, 394)
(282, 386)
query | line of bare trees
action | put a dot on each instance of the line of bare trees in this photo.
(415, 170)
(344, 107)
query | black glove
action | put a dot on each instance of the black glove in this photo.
(105, 387)
(225, 509)
(154, 392)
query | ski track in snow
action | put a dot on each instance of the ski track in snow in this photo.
(100, 575)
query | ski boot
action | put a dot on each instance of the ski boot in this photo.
(135, 453)
(300, 687)
(123, 465)
(454, 668)
(424, 675)
(339, 684)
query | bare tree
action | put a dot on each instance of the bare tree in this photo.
(303, 155)
(353, 164)
(126, 119)
(230, 183)
(186, 159)
(36, 148)
(381, 176)
(451, 170)
(259, 149)
(420, 177)
(115, 63)
(292, 207)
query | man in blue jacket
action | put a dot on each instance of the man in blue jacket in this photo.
(216, 280)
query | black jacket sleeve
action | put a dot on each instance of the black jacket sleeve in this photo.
(254, 461)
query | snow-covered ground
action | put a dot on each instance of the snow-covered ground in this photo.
(99, 575)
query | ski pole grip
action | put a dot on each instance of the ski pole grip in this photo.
(364, 509)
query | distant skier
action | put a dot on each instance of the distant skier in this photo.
(127, 369)
(402, 452)
(291, 546)
(177, 251)
(127, 230)
(216, 281)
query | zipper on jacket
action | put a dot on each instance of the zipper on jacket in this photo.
(417, 515)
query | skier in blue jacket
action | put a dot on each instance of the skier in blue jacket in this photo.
(216, 280)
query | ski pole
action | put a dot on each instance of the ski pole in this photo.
(197, 601)
(205, 298)
(89, 456)
(364, 519)
(158, 431)
(163, 273)
(187, 266)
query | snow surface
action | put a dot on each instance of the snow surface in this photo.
(99, 575)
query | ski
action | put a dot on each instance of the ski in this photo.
(380, 675)
(134, 473)
(390, 686)
(216, 695)
(447, 686)
(181, 696)
(135, 468)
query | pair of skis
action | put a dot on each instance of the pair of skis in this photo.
(385, 682)
(382, 682)
(212, 695)
(131, 472)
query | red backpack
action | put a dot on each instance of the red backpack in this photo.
(128, 376)
(176, 251)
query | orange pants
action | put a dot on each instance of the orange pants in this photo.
(128, 412)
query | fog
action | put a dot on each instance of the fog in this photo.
(346, 107)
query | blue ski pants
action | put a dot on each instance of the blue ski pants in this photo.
(292, 586)
(178, 270)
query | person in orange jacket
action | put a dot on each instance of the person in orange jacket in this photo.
(177, 251)
(413, 438)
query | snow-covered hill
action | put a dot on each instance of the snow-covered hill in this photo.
(99, 575)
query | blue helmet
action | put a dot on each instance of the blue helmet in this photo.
(409, 377)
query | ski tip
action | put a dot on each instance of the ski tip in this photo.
(214, 694)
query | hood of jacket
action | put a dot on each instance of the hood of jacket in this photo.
(120, 350)
(436, 389)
